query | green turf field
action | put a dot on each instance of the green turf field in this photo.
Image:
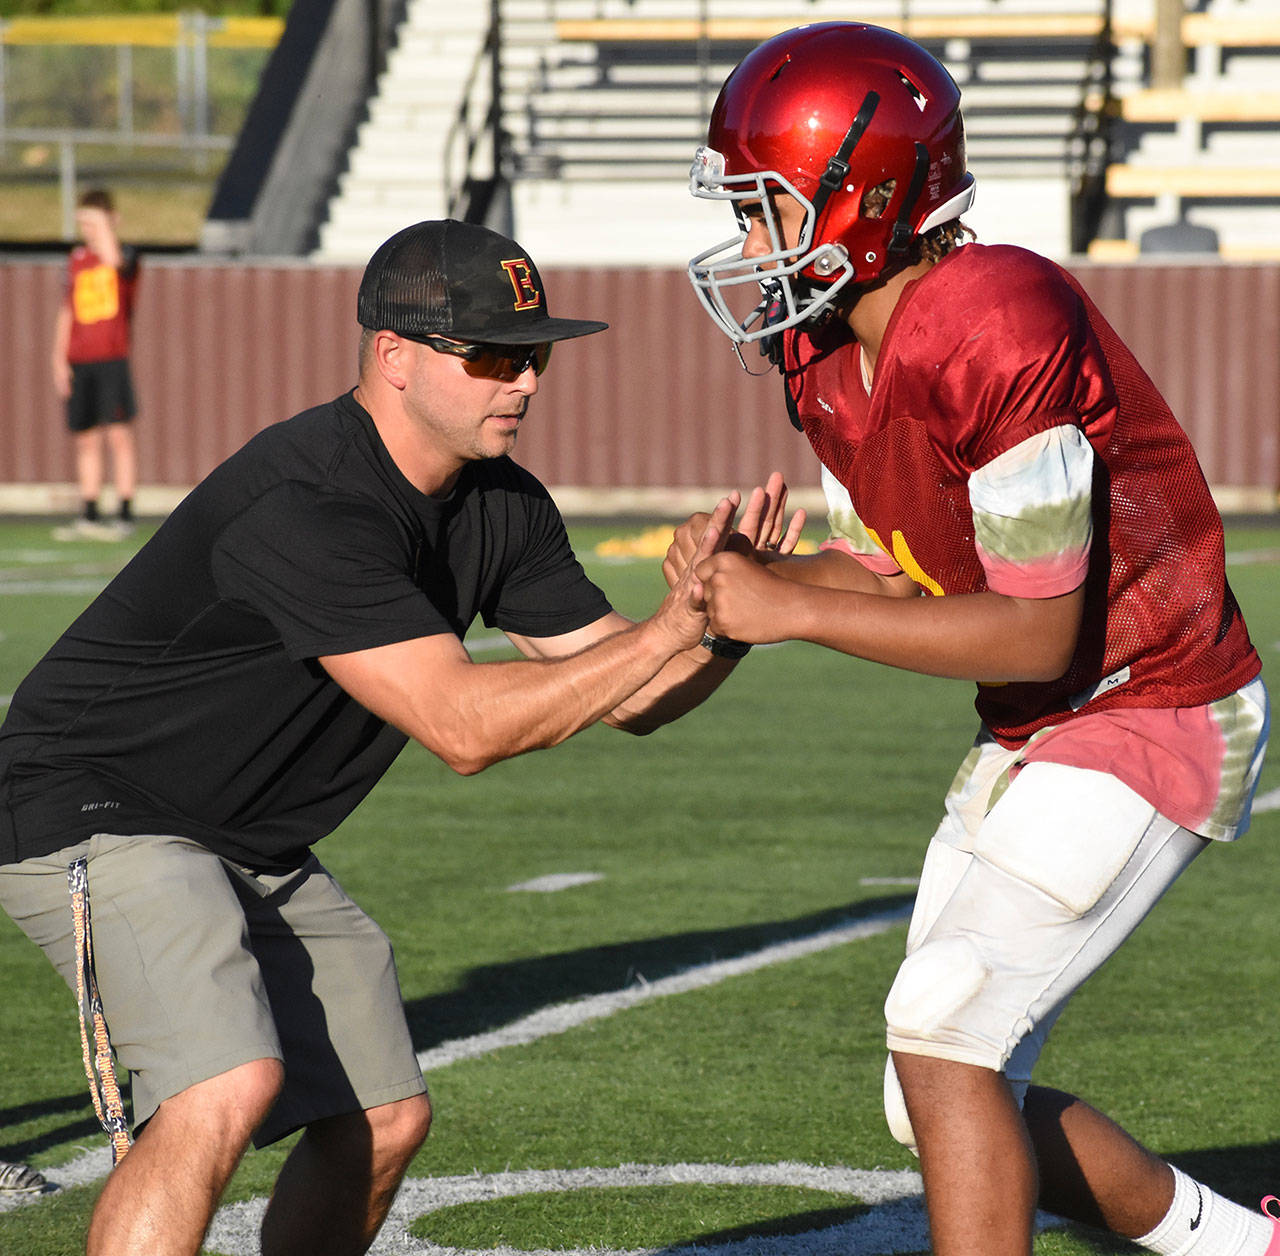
(707, 1066)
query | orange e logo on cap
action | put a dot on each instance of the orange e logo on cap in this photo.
(521, 275)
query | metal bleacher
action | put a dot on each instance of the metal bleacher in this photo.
(604, 101)
(619, 98)
(395, 169)
(1205, 154)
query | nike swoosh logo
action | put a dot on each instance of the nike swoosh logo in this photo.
(1195, 1221)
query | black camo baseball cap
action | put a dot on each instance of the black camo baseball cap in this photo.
(458, 279)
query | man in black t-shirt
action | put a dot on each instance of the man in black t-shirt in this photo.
(246, 680)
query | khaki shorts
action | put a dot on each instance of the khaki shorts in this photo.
(203, 966)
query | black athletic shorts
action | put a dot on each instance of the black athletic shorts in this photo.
(101, 392)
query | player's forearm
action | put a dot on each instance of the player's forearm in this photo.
(979, 636)
(834, 569)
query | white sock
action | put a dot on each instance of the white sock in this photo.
(1200, 1223)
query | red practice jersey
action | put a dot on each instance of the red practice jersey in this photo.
(100, 298)
(992, 346)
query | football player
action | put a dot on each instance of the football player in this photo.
(1011, 502)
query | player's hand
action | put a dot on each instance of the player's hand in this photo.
(683, 612)
(764, 531)
(62, 380)
(744, 599)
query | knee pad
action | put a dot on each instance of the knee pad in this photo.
(895, 1109)
(933, 983)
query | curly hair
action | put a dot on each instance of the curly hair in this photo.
(935, 244)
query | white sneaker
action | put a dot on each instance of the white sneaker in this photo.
(93, 530)
(19, 1179)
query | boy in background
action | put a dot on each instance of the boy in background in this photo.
(91, 366)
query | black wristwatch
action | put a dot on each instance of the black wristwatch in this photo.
(724, 647)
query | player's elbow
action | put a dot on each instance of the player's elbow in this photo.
(1039, 661)
(1048, 670)
(468, 757)
(1044, 647)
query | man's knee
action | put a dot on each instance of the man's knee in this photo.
(404, 1121)
(264, 1079)
(235, 1102)
(400, 1128)
(895, 1103)
(389, 1132)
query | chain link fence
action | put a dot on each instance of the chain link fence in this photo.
(147, 105)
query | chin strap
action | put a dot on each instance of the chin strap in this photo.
(793, 410)
(771, 346)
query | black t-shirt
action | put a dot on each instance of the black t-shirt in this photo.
(187, 697)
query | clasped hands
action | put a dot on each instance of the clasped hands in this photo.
(738, 592)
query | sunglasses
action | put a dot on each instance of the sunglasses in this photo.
(488, 361)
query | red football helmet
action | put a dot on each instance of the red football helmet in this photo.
(825, 113)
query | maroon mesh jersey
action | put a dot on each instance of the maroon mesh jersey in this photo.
(991, 346)
(100, 298)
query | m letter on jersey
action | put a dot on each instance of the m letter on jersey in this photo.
(521, 275)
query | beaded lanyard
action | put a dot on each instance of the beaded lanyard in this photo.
(99, 1067)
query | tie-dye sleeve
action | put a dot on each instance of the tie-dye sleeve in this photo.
(1032, 517)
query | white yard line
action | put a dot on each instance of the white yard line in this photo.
(554, 882)
(24, 588)
(1270, 801)
(895, 1221)
(560, 1017)
(1252, 558)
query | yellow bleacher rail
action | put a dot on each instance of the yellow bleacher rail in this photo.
(1208, 105)
(1197, 28)
(150, 30)
(960, 26)
(1193, 181)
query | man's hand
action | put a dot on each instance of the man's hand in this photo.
(763, 533)
(683, 611)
